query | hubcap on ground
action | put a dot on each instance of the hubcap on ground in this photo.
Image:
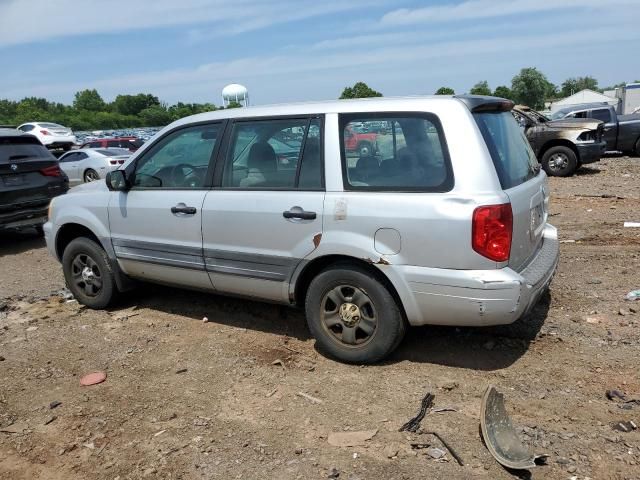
(86, 275)
(348, 314)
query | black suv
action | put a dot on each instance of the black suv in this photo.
(29, 178)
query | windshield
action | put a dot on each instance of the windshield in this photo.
(512, 156)
(560, 114)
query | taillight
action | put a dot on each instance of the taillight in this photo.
(45, 132)
(113, 162)
(52, 171)
(492, 230)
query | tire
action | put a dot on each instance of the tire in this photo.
(364, 149)
(362, 325)
(637, 148)
(90, 175)
(66, 148)
(39, 230)
(88, 274)
(559, 162)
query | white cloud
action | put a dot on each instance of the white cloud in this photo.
(46, 19)
(478, 9)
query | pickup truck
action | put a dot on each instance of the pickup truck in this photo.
(621, 132)
(562, 146)
(364, 144)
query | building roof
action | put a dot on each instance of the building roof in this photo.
(584, 96)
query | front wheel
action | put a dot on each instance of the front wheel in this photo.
(637, 148)
(352, 316)
(88, 274)
(90, 175)
(559, 162)
(365, 149)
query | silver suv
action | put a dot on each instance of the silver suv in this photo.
(444, 223)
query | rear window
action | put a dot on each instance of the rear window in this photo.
(403, 152)
(50, 125)
(511, 153)
(14, 150)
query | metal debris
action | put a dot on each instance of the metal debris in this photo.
(413, 424)
(499, 435)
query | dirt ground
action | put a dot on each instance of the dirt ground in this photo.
(246, 395)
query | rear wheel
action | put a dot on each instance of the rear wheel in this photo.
(559, 161)
(88, 274)
(90, 175)
(352, 316)
(637, 148)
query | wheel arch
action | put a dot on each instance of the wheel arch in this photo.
(70, 231)
(304, 278)
(559, 143)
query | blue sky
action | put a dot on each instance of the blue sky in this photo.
(293, 50)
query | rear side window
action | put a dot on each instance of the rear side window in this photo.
(601, 114)
(394, 152)
(512, 156)
(16, 149)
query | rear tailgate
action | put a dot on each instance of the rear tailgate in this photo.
(521, 179)
(29, 174)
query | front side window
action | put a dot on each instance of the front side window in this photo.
(179, 160)
(267, 154)
(602, 114)
(397, 152)
(512, 156)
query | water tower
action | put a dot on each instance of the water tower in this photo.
(235, 93)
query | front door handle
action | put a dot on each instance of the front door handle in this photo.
(299, 214)
(182, 208)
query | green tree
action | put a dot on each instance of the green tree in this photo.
(574, 85)
(481, 88)
(155, 116)
(445, 91)
(530, 87)
(89, 100)
(503, 92)
(233, 104)
(359, 90)
(134, 104)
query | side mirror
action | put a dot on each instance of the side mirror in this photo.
(117, 181)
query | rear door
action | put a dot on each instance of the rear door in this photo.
(521, 179)
(262, 218)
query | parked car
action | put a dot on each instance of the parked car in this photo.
(564, 145)
(51, 135)
(621, 132)
(432, 232)
(130, 143)
(363, 144)
(29, 179)
(88, 164)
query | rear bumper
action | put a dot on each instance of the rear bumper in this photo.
(591, 152)
(475, 297)
(23, 218)
(55, 141)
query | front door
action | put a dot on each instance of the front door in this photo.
(265, 216)
(156, 226)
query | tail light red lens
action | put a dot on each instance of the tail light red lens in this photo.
(52, 171)
(113, 162)
(492, 231)
(45, 132)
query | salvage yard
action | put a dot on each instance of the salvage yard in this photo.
(246, 395)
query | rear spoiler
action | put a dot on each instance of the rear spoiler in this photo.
(480, 103)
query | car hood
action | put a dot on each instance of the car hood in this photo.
(577, 123)
(97, 186)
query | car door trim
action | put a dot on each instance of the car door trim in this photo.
(251, 265)
(181, 256)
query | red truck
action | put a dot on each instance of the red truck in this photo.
(364, 144)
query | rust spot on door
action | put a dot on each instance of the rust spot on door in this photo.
(316, 239)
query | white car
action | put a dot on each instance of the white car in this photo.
(88, 164)
(51, 135)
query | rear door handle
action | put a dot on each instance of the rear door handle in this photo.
(182, 208)
(299, 214)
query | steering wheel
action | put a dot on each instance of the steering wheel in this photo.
(179, 178)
